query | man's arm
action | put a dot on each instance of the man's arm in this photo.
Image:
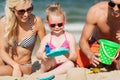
(91, 21)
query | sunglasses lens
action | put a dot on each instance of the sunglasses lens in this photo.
(60, 24)
(111, 4)
(119, 6)
(21, 12)
(29, 10)
(52, 25)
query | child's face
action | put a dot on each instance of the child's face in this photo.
(56, 23)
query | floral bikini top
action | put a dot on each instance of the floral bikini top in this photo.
(28, 41)
(65, 44)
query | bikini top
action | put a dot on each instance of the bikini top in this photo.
(27, 42)
(65, 44)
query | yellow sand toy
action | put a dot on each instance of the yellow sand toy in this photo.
(94, 70)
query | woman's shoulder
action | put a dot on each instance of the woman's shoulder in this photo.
(2, 26)
(35, 19)
(2, 21)
(37, 23)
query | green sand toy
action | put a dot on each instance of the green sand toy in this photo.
(107, 50)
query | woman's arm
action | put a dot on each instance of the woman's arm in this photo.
(3, 50)
(40, 28)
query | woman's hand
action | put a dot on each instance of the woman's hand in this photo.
(16, 71)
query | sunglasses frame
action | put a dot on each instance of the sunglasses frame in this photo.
(56, 24)
(22, 11)
(112, 4)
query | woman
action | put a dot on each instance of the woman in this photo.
(19, 29)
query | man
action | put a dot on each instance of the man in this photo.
(102, 22)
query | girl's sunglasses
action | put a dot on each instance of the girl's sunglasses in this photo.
(22, 11)
(112, 4)
(57, 24)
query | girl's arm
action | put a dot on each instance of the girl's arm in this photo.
(41, 51)
(72, 44)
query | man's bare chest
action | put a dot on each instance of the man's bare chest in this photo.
(109, 27)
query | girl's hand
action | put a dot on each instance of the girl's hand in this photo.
(45, 57)
(16, 71)
(41, 56)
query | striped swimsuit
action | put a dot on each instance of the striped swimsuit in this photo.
(28, 41)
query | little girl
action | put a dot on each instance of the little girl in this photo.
(57, 38)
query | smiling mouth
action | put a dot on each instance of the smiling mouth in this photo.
(56, 30)
(116, 13)
(24, 18)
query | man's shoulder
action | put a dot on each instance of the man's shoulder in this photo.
(96, 12)
(98, 9)
(100, 6)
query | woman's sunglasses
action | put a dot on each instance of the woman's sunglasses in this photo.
(57, 24)
(112, 4)
(22, 11)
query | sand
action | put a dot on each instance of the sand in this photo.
(73, 74)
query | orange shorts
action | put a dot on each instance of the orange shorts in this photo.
(82, 60)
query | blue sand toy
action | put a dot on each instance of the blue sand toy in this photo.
(57, 52)
(47, 49)
(47, 78)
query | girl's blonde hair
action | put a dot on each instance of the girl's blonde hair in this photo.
(11, 20)
(56, 9)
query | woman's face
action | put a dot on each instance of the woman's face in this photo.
(23, 11)
(56, 23)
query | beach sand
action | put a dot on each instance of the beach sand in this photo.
(73, 74)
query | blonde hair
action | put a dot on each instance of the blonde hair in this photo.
(11, 20)
(56, 9)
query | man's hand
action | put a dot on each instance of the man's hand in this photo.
(94, 59)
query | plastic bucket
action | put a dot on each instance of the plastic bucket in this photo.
(107, 51)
